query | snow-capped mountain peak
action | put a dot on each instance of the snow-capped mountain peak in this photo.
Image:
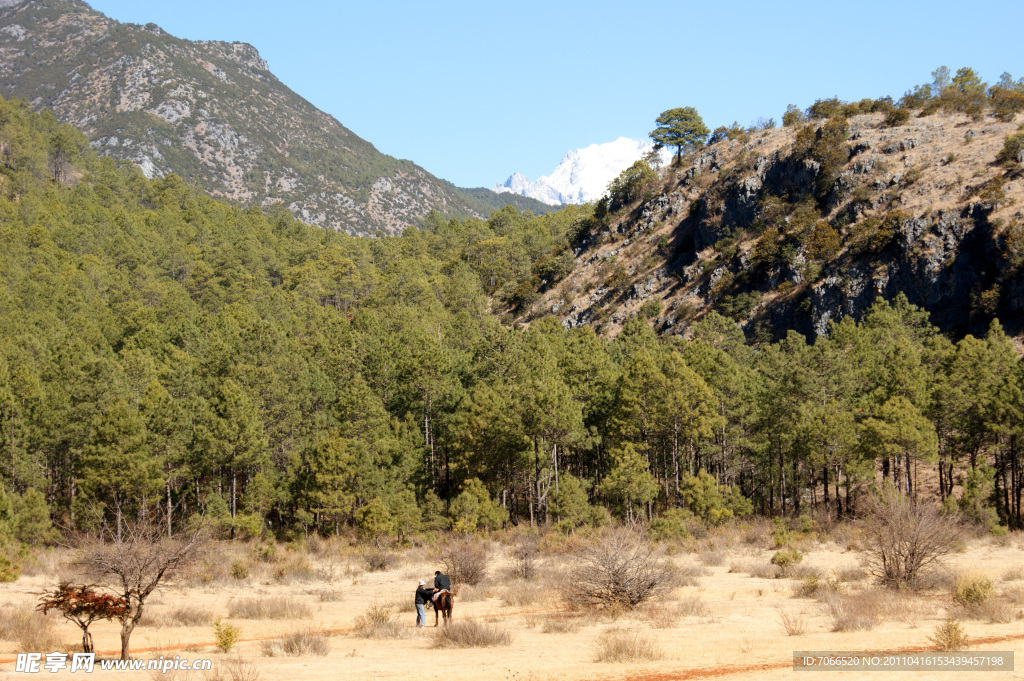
(582, 175)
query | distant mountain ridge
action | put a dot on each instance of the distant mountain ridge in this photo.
(212, 112)
(582, 175)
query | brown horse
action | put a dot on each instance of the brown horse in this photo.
(443, 606)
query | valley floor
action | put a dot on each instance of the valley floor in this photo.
(728, 625)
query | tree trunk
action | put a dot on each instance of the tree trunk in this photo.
(126, 632)
(824, 486)
(782, 482)
(942, 479)
(554, 460)
(909, 476)
(675, 465)
(536, 479)
(167, 488)
(234, 477)
(839, 503)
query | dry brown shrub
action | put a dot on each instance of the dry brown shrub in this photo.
(712, 558)
(662, 615)
(759, 534)
(554, 544)
(815, 586)
(192, 616)
(33, 631)
(906, 540)
(378, 622)
(322, 547)
(297, 644)
(472, 634)
(51, 561)
(38, 633)
(296, 569)
(996, 611)
(1014, 595)
(847, 535)
(693, 606)
(471, 594)
(11, 621)
(522, 594)
(950, 635)
(972, 589)
(618, 645)
(852, 575)
(524, 556)
(861, 611)
(689, 575)
(757, 569)
(793, 623)
(352, 570)
(617, 566)
(212, 568)
(466, 560)
(378, 558)
(330, 595)
(1014, 574)
(275, 608)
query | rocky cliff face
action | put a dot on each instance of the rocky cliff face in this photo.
(753, 228)
(211, 112)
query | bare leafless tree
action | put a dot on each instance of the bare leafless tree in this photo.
(465, 559)
(619, 566)
(907, 539)
(524, 556)
(136, 559)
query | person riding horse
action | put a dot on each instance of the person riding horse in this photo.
(442, 599)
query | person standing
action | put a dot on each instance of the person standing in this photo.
(423, 595)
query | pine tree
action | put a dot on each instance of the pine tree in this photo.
(681, 128)
(116, 469)
(630, 482)
(898, 432)
(232, 434)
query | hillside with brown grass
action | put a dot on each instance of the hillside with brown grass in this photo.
(746, 226)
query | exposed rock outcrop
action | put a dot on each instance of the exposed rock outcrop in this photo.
(921, 209)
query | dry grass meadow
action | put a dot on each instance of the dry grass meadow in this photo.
(314, 611)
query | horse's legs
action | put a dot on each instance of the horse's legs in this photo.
(437, 612)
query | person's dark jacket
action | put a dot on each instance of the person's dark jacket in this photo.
(423, 595)
(442, 582)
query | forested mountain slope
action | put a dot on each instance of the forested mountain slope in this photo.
(212, 112)
(794, 227)
(159, 345)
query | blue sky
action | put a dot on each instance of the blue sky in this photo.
(473, 91)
